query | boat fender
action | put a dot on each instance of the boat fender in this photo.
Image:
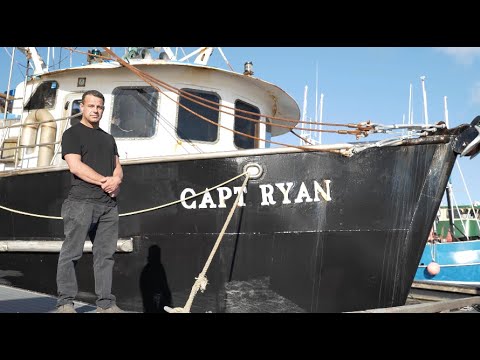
(433, 268)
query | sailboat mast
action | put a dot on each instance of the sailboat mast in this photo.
(410, 110)
(321, 119)
(446, 111)
(449, 184)
(7, 99)
(304, 133)
(424, 99)
(450, 209)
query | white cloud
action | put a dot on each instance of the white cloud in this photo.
(463, 55)
(476, 93)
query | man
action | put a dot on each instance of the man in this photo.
(91, 206)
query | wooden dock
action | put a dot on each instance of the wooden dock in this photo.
(15, 300)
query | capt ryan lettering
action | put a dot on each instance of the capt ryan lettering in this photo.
(283, 192)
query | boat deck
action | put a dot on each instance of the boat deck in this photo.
(15, 300)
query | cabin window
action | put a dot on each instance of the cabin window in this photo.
(134, 112)
(75, 110)
(244, 125)
(192, 127)
(43, 97)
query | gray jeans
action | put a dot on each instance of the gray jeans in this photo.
(80, 219)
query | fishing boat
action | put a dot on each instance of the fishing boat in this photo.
(464, 225)
(212, 218)
(456, 262)
(452, 255)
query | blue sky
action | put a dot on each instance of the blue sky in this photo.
(358, 83)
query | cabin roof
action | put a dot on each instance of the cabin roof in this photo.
(285, 106)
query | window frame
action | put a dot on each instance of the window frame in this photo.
(115, 94)
(199, 92)
(256, 126)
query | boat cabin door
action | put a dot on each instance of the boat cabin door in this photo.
(71, 108)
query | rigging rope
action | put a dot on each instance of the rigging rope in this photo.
(201, 281)
(362, 129)
(132, 212)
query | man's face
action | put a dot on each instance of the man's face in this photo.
(92, 108)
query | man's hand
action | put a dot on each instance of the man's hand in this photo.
(110, 184)
(115, 193)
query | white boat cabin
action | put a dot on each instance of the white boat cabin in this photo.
(145, 122)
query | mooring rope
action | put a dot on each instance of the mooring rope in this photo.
(201, 280)
(132, 212)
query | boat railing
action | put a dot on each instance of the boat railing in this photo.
(11, 148)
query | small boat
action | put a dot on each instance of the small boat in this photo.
(275, 229)
(452, 254)
(456, 262)
(466, 222)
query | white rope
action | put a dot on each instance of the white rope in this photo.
(468, 194)
(30, 214)
(132, 212)
(201, 280)
(433, 251)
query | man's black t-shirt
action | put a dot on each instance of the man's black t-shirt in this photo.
(97, 150)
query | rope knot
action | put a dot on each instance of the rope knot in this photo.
(177, 310)
(202, 283)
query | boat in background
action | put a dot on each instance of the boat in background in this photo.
(456, 262)
(466, 223)
(452, 254)
(287, 229)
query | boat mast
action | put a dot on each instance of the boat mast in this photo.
(449, 184)
(304, 133)
(446, 111)
(7, 98)
(450, 209)
(38, 63)
(316, 96)
(48, 58)
(410, 110)
(321, 119)
(318, 112)
(424, 99)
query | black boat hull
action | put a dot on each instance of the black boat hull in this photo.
(358, 250)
